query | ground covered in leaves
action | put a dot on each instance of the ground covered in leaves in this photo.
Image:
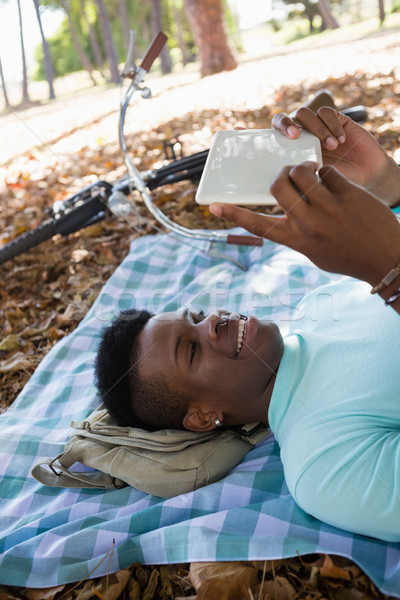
(46, 292)
(310, 577)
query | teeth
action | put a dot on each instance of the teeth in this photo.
(241, 333)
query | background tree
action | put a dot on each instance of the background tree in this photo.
(124, 19)
(156, 26)
(206, 19)
(381, 8)
(94, 43)
(312, 9)
(108, 42)
(46, 52)
(25, 94)
(83, 57)
(326, 14)
(178, 29)
(3, 85)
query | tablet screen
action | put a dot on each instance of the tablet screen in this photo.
(242, 164)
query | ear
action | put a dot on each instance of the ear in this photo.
(197, 419)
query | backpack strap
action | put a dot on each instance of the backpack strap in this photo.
(59, 475)
(251, 432)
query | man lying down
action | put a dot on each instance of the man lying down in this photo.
(329, 390)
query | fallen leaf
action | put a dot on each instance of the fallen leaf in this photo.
(149, 592)
(39, 328)
(16, 362)
(43, 593)
(279, 589)
(110, 587)
(329, 569)
(133, 589)
(222, 581)
(6, 595)
(9, 343)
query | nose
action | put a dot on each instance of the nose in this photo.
(212, 325)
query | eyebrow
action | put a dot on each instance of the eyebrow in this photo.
(178, 341)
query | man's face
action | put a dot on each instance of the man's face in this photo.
(224, 361)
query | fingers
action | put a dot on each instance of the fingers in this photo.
(272, 228)
(333, 180)
(326, 125)
(286, 125)
(294, 186)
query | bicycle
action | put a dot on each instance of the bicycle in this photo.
(97, 201)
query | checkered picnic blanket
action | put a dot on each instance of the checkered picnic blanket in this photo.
(50, 536)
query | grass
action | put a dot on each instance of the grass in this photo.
(294, 34)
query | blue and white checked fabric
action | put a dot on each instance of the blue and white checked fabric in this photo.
(50, 536)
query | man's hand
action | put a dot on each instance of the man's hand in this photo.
(340, 226)
(349, 148)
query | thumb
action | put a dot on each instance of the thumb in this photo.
(333, 180)
(269, 227)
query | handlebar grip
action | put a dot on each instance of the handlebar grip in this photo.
(157, 44)
(244, 240)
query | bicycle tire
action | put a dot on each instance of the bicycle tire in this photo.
(27, 240)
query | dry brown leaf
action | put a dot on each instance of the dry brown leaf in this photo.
(352, 594)
(151, 587)
(329, 569)
(222, 581)
(9, 343)
(110, 587)
(133, 589)
(39, 328)
(43, 593)
(16, 362)
(6, 595)
(279, 589)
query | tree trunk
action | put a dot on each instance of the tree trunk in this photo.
(186, 54)
(74, 36)
(98, 57)
(381, 11)
(156, 26)
(3, 84)
(47, 58)
(326, 15)
(25, 94)
(109, 43)
(124, 17)
(207, 22)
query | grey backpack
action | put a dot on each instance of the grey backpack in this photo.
(164, 463)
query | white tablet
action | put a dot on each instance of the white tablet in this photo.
(242, 164)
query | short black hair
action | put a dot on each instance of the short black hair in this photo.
(132, 400)
(113, 362)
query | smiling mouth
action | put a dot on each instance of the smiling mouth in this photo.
(241, 333)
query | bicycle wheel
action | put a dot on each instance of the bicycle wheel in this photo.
(27, 240)
(83, 214)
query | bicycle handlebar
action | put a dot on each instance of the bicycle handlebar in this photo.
(141, 186)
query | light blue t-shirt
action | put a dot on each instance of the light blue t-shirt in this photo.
(335, 409)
